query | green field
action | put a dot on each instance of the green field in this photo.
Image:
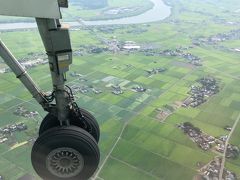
(75, 12)
(147, 149)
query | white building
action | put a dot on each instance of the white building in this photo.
(131, 45)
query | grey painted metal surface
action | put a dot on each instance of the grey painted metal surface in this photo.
(56, 40)
(31, 8)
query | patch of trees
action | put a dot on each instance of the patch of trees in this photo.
(189, 126)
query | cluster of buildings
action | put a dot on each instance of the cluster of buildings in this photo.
(89, 49)
(212, 170)
(203, 140)
(192, 59)
(178, 52)
(112, 45)
(31, 56)
(237, 49)
(130, 29)
(163, 113)
(207, 142)
(228, 128)
(117, 90)
(31, 61)
(84, 89)
(221, 37)
(130, 45)
(96, 91)
(155, 71)
(208, 86)
(75, 74)
(232, 151)
(139, 89)
(127, 46)
(78, 52)
(22, 111)
(5, 131)
(224, 21)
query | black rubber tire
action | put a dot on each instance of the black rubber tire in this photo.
(65, 137)
(51, 121)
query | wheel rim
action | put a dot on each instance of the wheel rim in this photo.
(64, 162)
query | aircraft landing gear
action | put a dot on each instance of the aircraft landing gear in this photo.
(82, 119)
(63, 153)
(66, 148)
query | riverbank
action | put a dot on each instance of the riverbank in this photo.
(135, 8)
(111, 13)
(159, 12)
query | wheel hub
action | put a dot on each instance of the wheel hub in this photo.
(65, 162)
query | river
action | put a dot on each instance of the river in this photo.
(159, 12)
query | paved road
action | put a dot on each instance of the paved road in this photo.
(126, 124)
(226, 145)
(110, 152)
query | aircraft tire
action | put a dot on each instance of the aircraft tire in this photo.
(65, 153)
(89, 123)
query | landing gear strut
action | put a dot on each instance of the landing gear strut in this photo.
(66, 148)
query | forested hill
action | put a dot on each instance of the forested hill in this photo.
(90, 4)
